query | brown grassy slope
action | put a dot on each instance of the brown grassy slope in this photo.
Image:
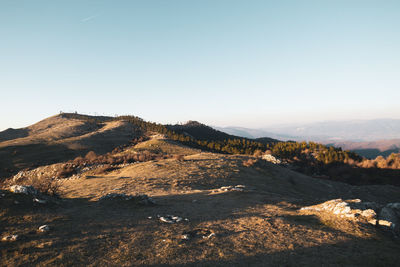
(159, 144)
(258, 228)
(58, 139)
(371, 149)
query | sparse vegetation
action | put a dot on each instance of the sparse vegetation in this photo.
(48, 185)
(310, 158)
(104, 169)
(249, 162)
(179, 157)
(390, 162)
(123, 233)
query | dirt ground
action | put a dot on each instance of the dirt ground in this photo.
(261, 226)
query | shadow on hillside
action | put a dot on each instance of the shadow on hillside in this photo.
(364, 176)
(352, 252)
(11, 134)
(86, 232)
(15, 158)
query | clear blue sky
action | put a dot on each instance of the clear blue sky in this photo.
(243, 63)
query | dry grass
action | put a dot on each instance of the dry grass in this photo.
(49, 185)
(46, 185)
(179, 157)
(258, 228)
(249, 162)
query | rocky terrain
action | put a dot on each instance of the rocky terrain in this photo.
(190, 207)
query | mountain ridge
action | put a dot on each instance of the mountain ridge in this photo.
(351, 130)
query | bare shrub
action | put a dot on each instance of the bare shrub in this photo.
(114, 159)
(91, 156)
(268, 152)
(258, 153)
(350, 162)
(78, 160)
(45, 185)
(160, 157)
(249, 162)
(104, 169)
(141, 157)
(179, 157)
(117, 150)
(66, 171)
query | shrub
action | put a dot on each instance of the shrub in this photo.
(179, 157)
(103, 169)
(249, 162)
(45, 185)
(78, 160)
(258, 153)
(91, 156)
(66, 171)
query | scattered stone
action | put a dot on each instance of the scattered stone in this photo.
(45, 244)
(44, 228)
(10, 238)
(209, 236)
(171, 219)
(185, 237)
(40, 201)
(239, 188)
(198, 233)
(23, 189)
(390, 216)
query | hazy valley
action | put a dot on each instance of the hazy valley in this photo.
(369, 138)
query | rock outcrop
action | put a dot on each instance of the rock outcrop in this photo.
(272, 159)
(377, 214)
(24, 189)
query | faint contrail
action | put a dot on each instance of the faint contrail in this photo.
(89, 18)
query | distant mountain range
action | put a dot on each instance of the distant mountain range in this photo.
(356, 130)
(370, 149)
(369, 138)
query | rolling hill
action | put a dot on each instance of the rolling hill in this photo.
(203, 132)
(205, 209)
(60, 138)
(68, 135)
(157, 201)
